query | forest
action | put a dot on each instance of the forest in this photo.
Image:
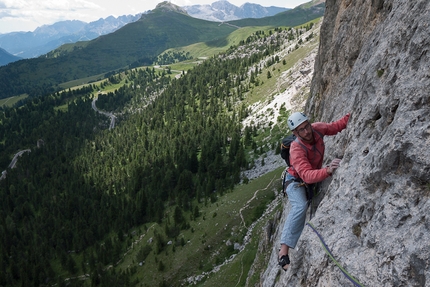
(179, 142)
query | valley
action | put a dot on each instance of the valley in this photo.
(184, 188)
(117, 205)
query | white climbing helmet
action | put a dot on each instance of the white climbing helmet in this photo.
(296, 119)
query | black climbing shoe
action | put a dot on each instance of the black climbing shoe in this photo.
(284, 260)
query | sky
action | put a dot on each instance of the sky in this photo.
(27, 15)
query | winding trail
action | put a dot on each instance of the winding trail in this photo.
(13, 162)
(251, 199)
(241, 272)
(15, 158)
(228, 24)
(4, 104)
(18, 154)
(112, 116)
(246, 238)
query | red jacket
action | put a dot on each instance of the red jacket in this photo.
(307, 164)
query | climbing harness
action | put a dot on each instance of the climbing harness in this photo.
(327, 250)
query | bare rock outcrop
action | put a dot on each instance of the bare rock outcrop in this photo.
(374, 62)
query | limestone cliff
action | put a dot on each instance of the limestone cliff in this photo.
(373, 62)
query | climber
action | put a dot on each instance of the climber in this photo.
(306, 157)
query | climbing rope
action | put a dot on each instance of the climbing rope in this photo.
(327, 250)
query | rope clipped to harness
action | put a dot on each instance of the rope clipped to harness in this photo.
(327, 250)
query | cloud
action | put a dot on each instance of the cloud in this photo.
(183, 2)
(33, 9)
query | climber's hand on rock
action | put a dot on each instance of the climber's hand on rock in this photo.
(333, 165)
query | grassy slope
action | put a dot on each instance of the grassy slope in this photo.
(268, 87)
(9, 102)
(218, 223)
(236, 272)
(291, 18)
(209, 49)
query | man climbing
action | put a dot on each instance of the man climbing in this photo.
(306, 158)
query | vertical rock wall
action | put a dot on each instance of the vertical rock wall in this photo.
(374, 62)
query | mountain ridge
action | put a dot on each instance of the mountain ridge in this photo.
(157, 31)
(225, 11)
(48, 37)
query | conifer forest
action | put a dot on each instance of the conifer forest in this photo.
(82, 186)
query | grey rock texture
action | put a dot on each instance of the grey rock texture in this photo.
(373, 62)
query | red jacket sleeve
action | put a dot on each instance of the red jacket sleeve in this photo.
(299, 153)
(333, 128)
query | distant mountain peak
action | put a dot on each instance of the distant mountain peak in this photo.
(222, 10)
(49, 37)
(168, 6)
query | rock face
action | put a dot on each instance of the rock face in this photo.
(373, 62)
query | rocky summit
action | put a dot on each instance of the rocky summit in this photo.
(373, 62)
